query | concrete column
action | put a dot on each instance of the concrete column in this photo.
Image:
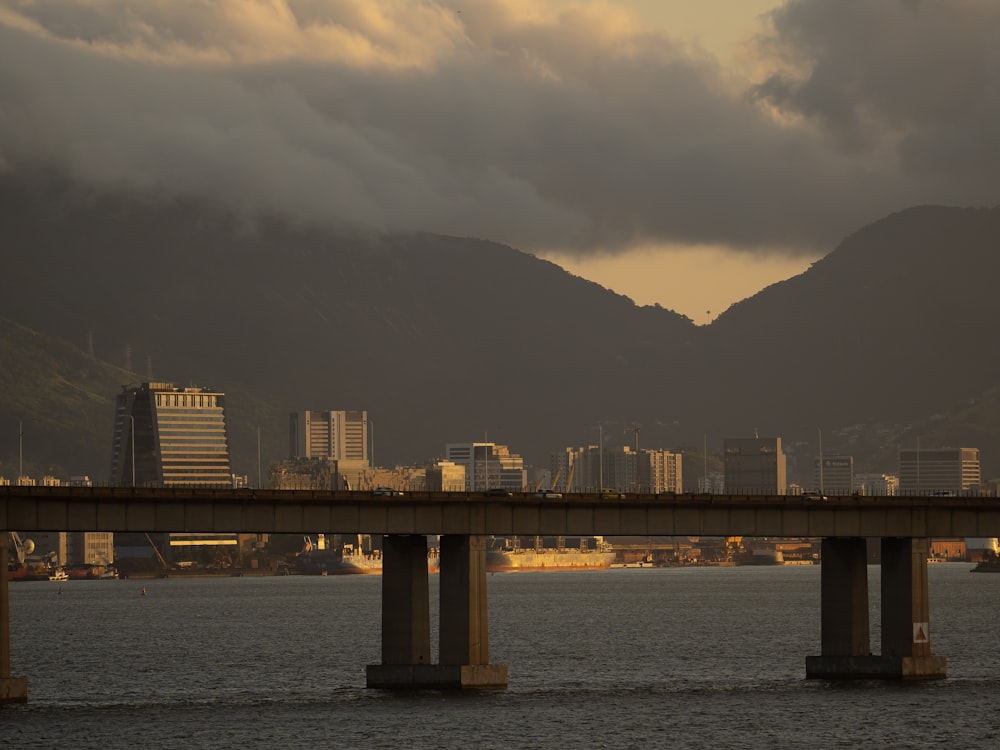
(845, 627)
(464, 646)
(464, 620)
(12, 689)
(406, 624)
(905, 620)
(906, 607)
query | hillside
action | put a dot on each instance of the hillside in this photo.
(446, 339)
(441, 339)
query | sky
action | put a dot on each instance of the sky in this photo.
(683, 153)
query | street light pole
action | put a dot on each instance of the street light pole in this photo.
(371, 443)
(131, 433)
(20, 450)
(820, 431)
(600, 458)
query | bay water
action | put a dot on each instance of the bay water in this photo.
(624, 658)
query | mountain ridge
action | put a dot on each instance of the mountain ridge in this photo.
(446, 339)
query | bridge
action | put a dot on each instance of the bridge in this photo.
(464, 520)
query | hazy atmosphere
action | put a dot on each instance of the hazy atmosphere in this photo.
(708, 158)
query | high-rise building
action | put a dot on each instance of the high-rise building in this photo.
(939, 471)
(338, 435)
(754, 466)
(166, 436)
(659, 471)
(487, 466)
(834, 475)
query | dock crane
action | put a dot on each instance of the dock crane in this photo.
(157, 553)
(22, 547)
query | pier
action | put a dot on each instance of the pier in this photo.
(464, 520)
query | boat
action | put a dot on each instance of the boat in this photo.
(351, 559)
(59, 575)
(989, 564)
(506, 555)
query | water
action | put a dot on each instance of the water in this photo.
(613, 659)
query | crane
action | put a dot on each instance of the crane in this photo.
(569, 477)
(22, 548)
(157, 552)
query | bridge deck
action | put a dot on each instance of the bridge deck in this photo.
(30, 509)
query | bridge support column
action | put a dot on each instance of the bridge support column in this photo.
(905, 614)
(12, 689)
(464, 649)
(406, 623)
(464, 633)
(906, 635)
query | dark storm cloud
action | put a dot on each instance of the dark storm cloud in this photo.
(919, 78)
(572, 128)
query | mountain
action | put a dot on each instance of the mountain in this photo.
(446, 339)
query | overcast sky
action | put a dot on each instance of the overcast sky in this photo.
(685, 153)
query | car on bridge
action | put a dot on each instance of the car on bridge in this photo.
(813, 496)
(387, 492)
(607, 494)
(548, 495)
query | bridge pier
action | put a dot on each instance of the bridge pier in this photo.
(845, 636)
(464, 637)
(12, 689)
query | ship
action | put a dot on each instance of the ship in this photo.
(507, 555)
(351, 559)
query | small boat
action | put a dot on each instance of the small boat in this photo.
(59, 575)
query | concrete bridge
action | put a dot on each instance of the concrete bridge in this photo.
(903, 524)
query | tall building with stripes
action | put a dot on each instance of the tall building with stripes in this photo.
(165, 436)
(338, 435)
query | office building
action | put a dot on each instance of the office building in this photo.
(488, 466)
(834, 475)
(166, 436)
(754, 466)
(445, 476)
(941, 471)
(340, 435)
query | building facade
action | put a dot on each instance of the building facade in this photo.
(834, 475)
(488, 466)
(755, 466)
(340, 435)
(166, 436)
(445, 476)
(939, 471)
(660, 471)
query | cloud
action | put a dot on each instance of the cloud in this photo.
(563, 125)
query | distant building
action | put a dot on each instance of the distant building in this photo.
(876, 485)
(340, 435)
(713, 484)
(754, 466)
(620, 468)
(179, 435)
(931, 471)
(318, 474)
(488, 465)
(446, 476)
(834, 475)
(660, 471)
